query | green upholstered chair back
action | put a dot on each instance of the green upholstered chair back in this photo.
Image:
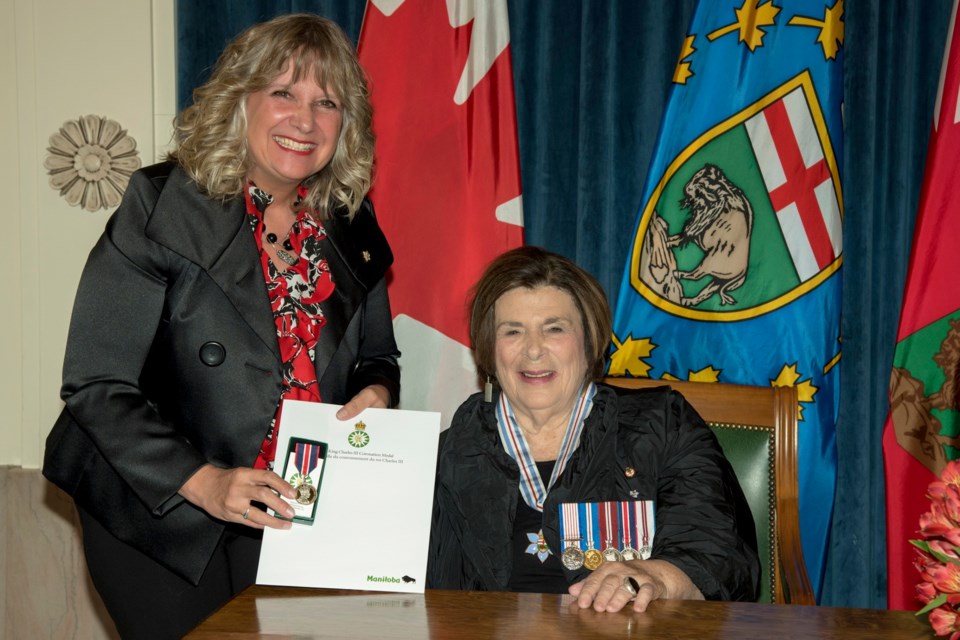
(757, 429)
(750, 450)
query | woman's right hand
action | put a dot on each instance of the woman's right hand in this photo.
(605, 589)
(228, 494)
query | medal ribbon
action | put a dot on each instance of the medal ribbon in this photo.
(634, 533)
(603, 525)
(591, 521)
(625, 528)
(608, 525)
(584, 524)
(646, 516)
(569, 525)
(531, 484)
(306, 457)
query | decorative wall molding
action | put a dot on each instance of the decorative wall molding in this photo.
(90, 161)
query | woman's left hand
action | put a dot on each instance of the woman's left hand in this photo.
(376, 395)
(609, 587)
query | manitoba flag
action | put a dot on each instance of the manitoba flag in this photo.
(447, 185)
(922, 432)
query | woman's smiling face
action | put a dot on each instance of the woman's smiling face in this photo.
(292, 130)
(540, 358)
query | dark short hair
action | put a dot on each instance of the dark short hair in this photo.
(531, 268)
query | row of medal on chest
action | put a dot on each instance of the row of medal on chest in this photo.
(573, 557)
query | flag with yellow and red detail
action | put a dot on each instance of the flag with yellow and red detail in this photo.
(735, 270)
(922, 432)
(447, 187)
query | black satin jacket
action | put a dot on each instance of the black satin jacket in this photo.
(703, 523)
(172, 358)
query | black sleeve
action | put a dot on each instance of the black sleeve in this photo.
(447, 565)
(378, 354)
(703, 524)
(116, 312)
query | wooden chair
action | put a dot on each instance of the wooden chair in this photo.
(757, 429)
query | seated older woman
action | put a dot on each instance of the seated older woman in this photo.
(558, 483)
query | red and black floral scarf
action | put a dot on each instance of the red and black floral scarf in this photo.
(295, 298)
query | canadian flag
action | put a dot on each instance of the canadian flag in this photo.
(447, 186)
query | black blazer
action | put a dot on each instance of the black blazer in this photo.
(172, 358)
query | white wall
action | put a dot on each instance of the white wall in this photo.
(59, 60)
(63, 59)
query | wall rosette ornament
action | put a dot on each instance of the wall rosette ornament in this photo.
(90, 161)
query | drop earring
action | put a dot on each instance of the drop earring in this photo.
(488, 390)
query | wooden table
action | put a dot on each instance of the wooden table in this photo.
(296, 614)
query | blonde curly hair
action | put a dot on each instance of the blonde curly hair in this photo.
(210, 135)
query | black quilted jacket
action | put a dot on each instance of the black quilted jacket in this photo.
(703, 523)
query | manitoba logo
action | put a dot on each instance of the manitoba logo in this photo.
(748, 217)
(359, 438)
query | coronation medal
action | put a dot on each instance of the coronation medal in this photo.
(303, 469)
(608, 532)
(592, 558)
(306, 493)
(306, 457)
(628, 521)
(572, 556)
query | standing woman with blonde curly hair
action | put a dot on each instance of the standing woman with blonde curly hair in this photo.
(247, 269)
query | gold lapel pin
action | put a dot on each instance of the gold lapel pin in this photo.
(366, 256)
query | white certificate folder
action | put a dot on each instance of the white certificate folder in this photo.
(372, 524)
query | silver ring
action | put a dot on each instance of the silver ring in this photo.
(245, 514)
(632, 586)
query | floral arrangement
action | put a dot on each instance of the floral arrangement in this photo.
(939, 558)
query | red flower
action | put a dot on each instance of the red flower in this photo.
(951, 473)
(940, 521)
(938, 560)
(946, 577)
(944, 621)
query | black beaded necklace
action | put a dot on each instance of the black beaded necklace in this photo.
(283, 254)
(262, 200)
(272, 239)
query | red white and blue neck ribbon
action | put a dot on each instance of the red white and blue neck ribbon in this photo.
(306, 457)
(532, 489)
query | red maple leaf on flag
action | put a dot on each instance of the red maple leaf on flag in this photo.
(447, 186)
